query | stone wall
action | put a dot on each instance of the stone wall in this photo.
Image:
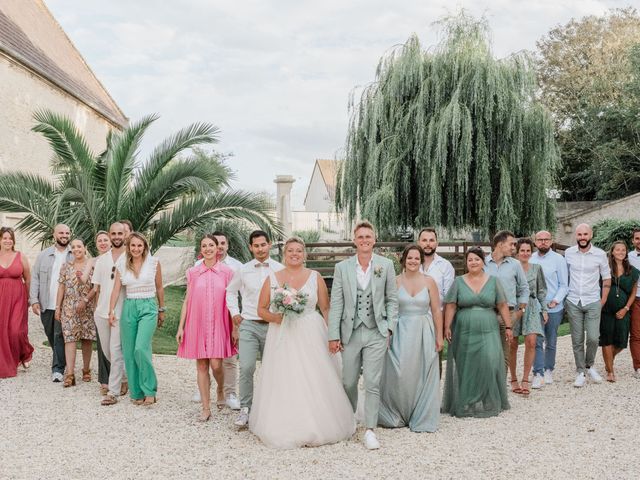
(627, 208)
(21, 149)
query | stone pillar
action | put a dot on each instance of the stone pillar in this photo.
(283, 202)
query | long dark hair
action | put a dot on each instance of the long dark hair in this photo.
(626, 266)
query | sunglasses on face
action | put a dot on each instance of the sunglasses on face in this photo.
(113, 272)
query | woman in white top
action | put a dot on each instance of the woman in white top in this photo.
(141, 276)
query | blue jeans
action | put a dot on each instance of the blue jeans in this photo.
(546, 346)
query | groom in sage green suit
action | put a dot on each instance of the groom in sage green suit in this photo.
(362, 316)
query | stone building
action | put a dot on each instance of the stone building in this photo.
(40, 68)
(571, 214)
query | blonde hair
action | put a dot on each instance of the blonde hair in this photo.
(297, 240)
(363, 224)
(145, 252)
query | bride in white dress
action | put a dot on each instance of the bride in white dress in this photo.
(299, 399)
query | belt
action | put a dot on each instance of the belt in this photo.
(257, 320)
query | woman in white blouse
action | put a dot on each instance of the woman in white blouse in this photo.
(141, 277)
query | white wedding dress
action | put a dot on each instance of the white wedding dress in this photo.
(299, 399)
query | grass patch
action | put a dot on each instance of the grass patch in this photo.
(164, 340)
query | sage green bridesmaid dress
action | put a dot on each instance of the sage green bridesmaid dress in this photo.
(410, 387)
(475, 380)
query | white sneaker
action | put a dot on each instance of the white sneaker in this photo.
(580, 379)
(538, 381)
(196, 397)
(595, 376)
(233, 402)
(548, 377)
(57, 377)
(636, 374)
(243, 418)
(370, 440)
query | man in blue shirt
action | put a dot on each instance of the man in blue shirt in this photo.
(554, 268)
(501, 264)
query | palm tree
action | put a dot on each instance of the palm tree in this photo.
(162, 196)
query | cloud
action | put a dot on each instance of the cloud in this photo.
(274, 76)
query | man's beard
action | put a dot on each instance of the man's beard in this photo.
(63, 242)
(586, 243)
(544, 250)
(117, 243)
(429, 252)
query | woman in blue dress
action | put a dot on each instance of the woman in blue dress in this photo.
(410, 387)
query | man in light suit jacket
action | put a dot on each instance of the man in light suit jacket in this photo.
(363, 314)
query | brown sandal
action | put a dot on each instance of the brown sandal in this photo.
(525, 390)
(137, 401)
(109, 400)
(148, 401)
(124, 388)
(517, 388)
(86, 375)
(69, 380)
(104, 390)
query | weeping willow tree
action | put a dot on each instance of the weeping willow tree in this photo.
(450, 137)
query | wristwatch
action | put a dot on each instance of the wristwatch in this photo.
(161, 309)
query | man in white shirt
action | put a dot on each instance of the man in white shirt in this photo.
(43, 294)
(587, 264)
(634, 337)
(230, 365)
(248, 328)
(438, 268)
(103, 280)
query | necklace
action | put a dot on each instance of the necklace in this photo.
(617, 282)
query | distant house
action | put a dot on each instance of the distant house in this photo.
(319, 203)
(571, 214)
(321, 192)
(40, 68)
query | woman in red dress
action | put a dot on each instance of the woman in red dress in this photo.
(14, 285)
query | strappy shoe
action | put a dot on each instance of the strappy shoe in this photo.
(86, 375)
(69, 380)
(109, 400)
(517, 388)
(137, 401)
(148, 401)
(124, 388)
(104, 390)
(525, 390)
(220, 402)
(204, 416)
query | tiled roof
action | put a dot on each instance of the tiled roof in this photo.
(33, 38)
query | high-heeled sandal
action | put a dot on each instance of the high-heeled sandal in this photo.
(517, 388)
(205, 415)
(86, 375)
(69, 380)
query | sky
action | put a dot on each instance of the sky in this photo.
(274, 76)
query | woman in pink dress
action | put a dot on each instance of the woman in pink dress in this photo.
(204, 333)
(14, 285)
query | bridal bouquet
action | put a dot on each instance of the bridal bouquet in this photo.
(286, 299)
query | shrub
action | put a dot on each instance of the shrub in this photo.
(608, 231)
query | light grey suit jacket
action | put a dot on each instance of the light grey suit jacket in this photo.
(344, 292)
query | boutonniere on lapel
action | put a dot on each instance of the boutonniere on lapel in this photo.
(377, 271)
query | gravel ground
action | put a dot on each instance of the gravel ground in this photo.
(558, 432)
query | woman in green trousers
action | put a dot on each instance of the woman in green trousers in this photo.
(143, 310)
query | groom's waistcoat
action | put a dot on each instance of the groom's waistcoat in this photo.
(364, 307)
